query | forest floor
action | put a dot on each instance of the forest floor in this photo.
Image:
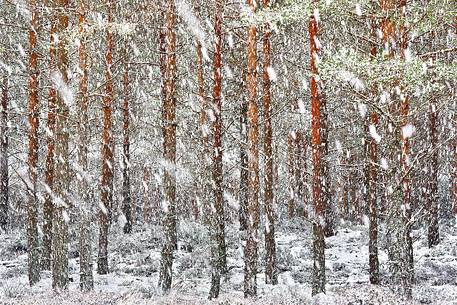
(135, 261)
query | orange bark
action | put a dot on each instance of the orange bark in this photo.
(318, 285)
(271, 275)
(251, 249)
(32, 204)
(107, 151)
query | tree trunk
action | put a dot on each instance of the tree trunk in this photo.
(244, 173)
(4, 220)
(318, 281)
(219, 255)
(126, 194)
(59, 257)
(107, 152)
(291, 167)
(298, 190)
(372, 204)
(86, 280)
(32, 204)
(372, 180)
(251, 249)
(205, 179)
(408, 276)
(169, 151)
(271, 272)
(433, 229)
(48, 207)
(326, 192)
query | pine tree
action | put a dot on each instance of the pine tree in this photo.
(4, 191)
(32, 203)
(169, 151)
(372, 204)
(60, 219)
(271, 275)
(433, 229)
(107, 150)
(48, 208)
(218, 248)
(86, 280)
(126, 193)
(408, 269)
(372, 178)
(251, 248)
(318, 285)
(291, 168)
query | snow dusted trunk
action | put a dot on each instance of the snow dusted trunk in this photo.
(454, 162)
(126, 189)
(302, 189)
(291, 173)
(251, 248)
(48, 206)
(205, 178)
(271, 272)
(433, 229)
(86, 280)
(218, 247)
(32, 203)
(318, 279)
(299, 160)
(169, 151)
(326, 191)
(4, 222)
(147, 198)
(408, 269)
(106, 190)
(372, 204)
(244, 172)
(372, 178)
(59, 256)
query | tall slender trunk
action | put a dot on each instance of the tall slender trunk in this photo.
(303, 175)
(219, 255)
(4, 195)
(107, 151)
(32, 203)
(205, 179)
(329, 229)
(405, 158)
(291, 168)
(169, 151)
(48, 206)
(433, 229)
(318, 281)
(244, 173)
(372, 180)
(271, 272)
(251, 249)
(126, 193)
(147, 198)
(86, 280)
(372, 204)
(298, 190)
(59, 256)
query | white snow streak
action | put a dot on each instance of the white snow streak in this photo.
(62, 87)
(374, 134)
(358, 9)
(272, 74)
(185, 11)
(362, 109)
(408, 131)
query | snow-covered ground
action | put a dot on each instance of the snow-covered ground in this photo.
(135, 261)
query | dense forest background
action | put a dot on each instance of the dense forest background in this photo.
(201, 141)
